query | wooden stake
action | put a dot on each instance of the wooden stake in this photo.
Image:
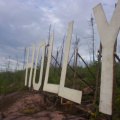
(114, 76)
(98, 75)
(75, 68)
(55, 61)
(86, 66)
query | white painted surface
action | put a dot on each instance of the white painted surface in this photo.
(36, 86)
(29, 65)
(71, 94)
(108, 34)
(47, 86)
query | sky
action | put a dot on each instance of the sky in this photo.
(26, 22)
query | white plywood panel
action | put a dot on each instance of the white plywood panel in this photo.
(71, 94)
(108, 34)
(29, 65)
(47, 86)
(36, 86)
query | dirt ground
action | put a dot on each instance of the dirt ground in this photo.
(35, 106)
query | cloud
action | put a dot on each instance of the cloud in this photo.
(25, 22)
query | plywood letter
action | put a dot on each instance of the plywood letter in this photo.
(108, 34)
(71, 94)
(29, 65)
(47, 86)
(36, 86)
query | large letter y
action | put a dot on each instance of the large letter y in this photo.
(108, 34)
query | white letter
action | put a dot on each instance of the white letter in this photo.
(47, 86)
(108, 34)
(29, 65)
(71, 94)
(36, 86)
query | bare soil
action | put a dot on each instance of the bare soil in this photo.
(36, 106)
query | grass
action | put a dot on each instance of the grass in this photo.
(14, 81)
(29, 111)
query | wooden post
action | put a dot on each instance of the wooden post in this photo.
(56, 61)
(98, 75)
(62, 51)
(71, 58)
(86, 65)
(61, 55)
(74, 59)
(75, 68)
(114, 76)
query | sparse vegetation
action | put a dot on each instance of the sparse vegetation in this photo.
(14, 81)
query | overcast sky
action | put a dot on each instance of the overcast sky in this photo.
(26, 22)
